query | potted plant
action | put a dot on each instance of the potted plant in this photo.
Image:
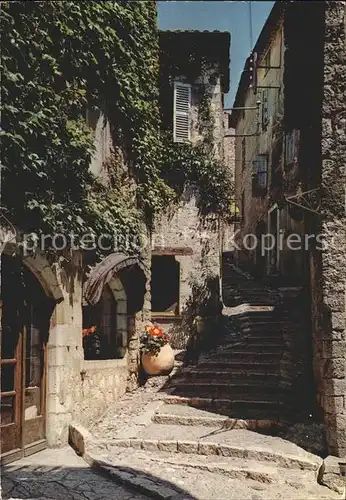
(157, 354)
(91, 343)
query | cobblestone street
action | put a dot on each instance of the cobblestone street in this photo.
(59, 474)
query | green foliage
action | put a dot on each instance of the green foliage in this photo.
(185, 165)
(61, 60)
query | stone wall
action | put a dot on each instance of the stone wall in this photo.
(97, 385)
(328, 275)
(229, 161)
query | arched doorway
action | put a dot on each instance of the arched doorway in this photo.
(25, 315)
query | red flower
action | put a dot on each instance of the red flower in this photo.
(87, 331)
(156, 332)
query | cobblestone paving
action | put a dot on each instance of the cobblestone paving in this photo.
(59, 475)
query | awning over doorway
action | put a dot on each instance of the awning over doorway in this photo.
(131, 272)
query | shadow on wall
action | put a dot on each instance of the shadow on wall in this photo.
(201, 315)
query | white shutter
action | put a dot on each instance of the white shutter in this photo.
(181, 118)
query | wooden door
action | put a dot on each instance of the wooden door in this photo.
(24, 334)
(11, 361)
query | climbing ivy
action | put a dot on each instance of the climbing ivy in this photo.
(185, 165)
(59, 61)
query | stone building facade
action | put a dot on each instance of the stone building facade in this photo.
(257, 131)
(72, 374)
(64, 382)
(302, 197)
(188, 248)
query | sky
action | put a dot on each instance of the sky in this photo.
(232, 16)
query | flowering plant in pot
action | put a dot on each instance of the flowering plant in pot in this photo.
(157, 354)
(91, 342)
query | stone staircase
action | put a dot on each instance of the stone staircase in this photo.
(197, 431)
(253, 378)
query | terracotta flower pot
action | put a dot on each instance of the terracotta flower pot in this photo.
(159, 364)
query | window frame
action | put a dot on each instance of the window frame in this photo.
(265, 108)
(176, 85)
(168, 314)
(292, 140)
(260, 170)
(267, 61)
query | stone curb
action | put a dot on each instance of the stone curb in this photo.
(81, 441)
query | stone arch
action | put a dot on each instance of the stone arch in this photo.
(41, 268)
(109, 314)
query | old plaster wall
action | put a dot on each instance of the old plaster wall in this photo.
(328, 275)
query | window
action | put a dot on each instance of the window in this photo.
(106, 341)
(243, 154)
(260, 173)
(165, 284)
(265, 108)
(291, 147)
(266, 61)
(181, 110)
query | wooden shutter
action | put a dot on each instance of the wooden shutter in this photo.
(265, 108)
(181, 118)
(291, 147)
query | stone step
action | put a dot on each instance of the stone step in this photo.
(247, 355)
(231, 375)
(239, 365)
(236, 408)
(255, 346)
(275, 339)
(266, 335)
(232, 468)
(170, 414)
(265, 326)
(163, 475)
(216, 441)
(264, 316)
(255, 388)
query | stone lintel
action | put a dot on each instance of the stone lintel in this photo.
(172, 251)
